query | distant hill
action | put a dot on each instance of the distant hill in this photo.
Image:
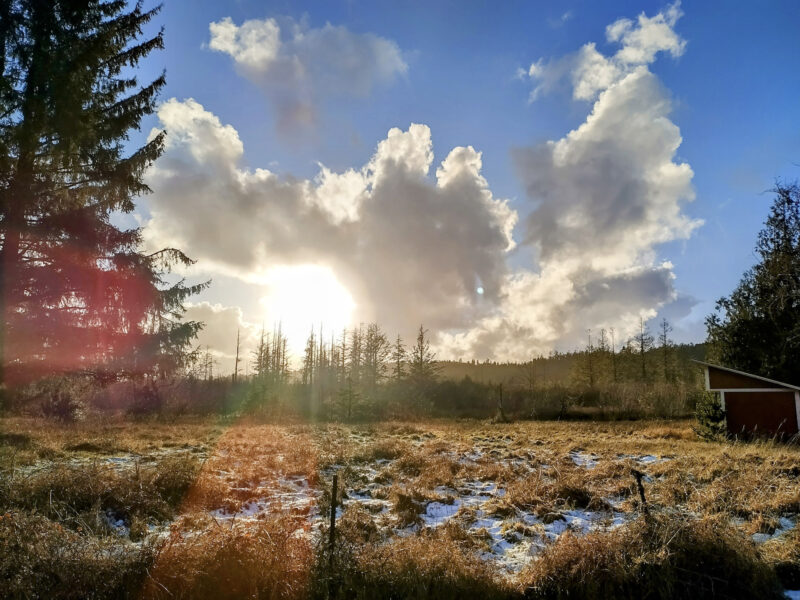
(566, 368)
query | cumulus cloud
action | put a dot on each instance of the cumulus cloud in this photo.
(604, 197)
(296, 66)
(408, 247)
(589, 72)
(403, 242)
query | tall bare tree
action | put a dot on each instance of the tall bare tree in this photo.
(666, 345)
(643, 341)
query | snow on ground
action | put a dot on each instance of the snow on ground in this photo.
(286, 494)
(508, 540)
(512, 541)
(120, 461)
(644, 459)
(116, 524)
(583, 459)
(784, 524)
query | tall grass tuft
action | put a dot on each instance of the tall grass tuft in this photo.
(665, 556)
(266, 559)
(41, 559)
(436, 565)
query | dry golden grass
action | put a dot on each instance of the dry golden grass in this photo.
(666, 556)
(265, 559)
(705, 497)
(41, 559)
(438, 564)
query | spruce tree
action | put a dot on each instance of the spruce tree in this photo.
(77, 292)
(398, 356)
(422, 367)
(757, 328)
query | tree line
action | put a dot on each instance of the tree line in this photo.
(340, 375)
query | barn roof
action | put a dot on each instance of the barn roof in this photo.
(779, 384)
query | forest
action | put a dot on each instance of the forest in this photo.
(362, 377)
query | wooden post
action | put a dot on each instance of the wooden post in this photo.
(638, 476)
(236, 362)
(332, 538)
(332, 535)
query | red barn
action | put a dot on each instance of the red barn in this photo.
(755, 404)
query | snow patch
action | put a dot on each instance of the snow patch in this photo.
(116, 524)
(583, 459)
(784, 524)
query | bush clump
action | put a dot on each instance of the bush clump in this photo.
(665, 556)
(430, 566)
(710, 417)
(41, 559)
(267, 559)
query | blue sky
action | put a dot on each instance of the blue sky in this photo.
(733, 95)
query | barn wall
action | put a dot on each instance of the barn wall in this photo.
(725, 380)
(761, 412)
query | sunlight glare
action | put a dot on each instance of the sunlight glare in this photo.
(303, 296)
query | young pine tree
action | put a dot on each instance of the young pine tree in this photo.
(76, 291)
(422, 367)
(398, 357)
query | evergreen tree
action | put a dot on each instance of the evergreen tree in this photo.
(398, 356)
(757, 327)
(309, 357)
(422, 367)
(354, 363)
(76, 292)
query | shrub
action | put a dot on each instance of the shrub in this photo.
(266, 559)
(432, 565)
(147, 399)
(664, 556)
(710, 417)
(63, 399)
(42, 559)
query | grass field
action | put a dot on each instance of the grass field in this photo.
(439, 509)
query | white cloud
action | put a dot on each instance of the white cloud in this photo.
(402, 245)
(297, 66)
(604, 197)
(590, 72)
(254, 45)
(555, 23)
(649, 36)
(409, 248)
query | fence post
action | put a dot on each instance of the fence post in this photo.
(332, 532)
(638, 476)
(332, 535)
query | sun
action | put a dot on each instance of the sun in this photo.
(300, 297)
